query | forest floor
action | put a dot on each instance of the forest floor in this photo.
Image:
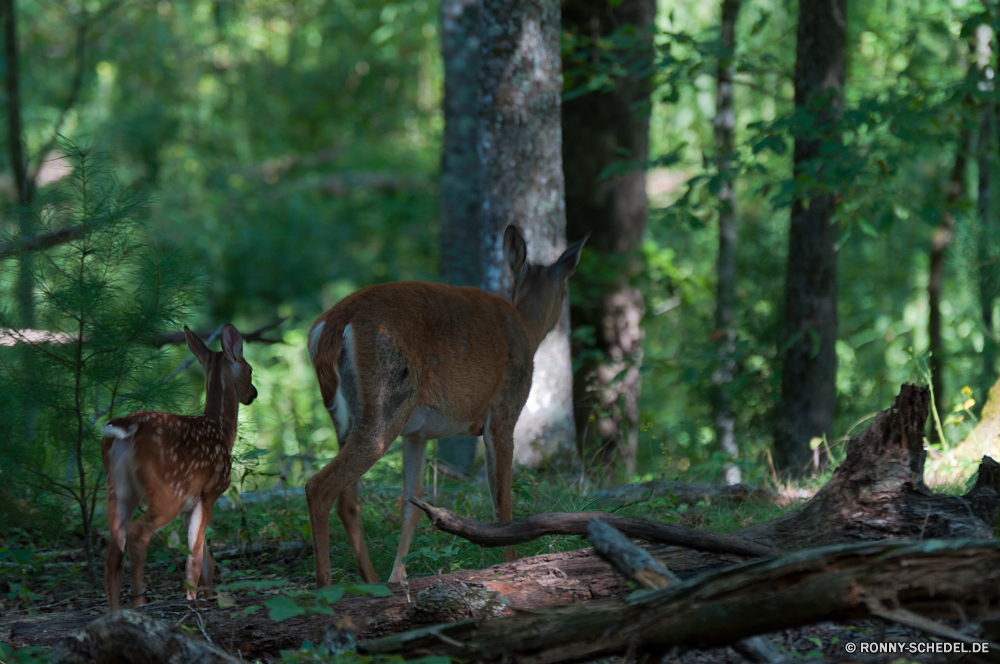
(264, 547)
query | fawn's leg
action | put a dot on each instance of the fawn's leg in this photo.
(114, 561)
(413, 474)
(201, 515)
(139, 533)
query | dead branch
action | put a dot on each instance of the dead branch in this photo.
(257, 336)
(42, 241)
(12, 337)
(575, 523)
(634, 562)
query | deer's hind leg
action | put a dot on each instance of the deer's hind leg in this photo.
(369, 410)
(140, 532)
(119, 514)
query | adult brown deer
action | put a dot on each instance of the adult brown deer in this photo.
(174, 464)
(426, 361)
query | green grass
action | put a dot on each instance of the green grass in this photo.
(283, 518)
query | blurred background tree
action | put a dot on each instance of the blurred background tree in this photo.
(294, 152)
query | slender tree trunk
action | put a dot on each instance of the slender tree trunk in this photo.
(724, 420)
(521, 180)
(18, 160)
(808, 381)
(940, 242)
(25, 192)
(988, 237)
(599, 129)
(459, 197)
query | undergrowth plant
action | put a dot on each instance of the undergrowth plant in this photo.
(101, 302)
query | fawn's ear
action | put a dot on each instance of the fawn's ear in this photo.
(565, 266)
(514, 249)
(232, 343)
(196, 345)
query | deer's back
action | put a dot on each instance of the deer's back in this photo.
(466, 348)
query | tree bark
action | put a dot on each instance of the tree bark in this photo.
(600, 129)
(128, 637)
(808, 380)
(521, 182)
(893, 581)
(940, 242)
(459, 197)
(989, 274)
(723, 417)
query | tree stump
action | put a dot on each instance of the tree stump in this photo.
(878, 492)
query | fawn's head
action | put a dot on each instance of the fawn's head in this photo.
(539, 289)
(230, 361)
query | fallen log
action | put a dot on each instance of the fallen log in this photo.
(529, 584)
(935, 578)
(532, 527)
(128, 637)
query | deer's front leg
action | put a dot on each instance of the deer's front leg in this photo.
(200, 517)
(498, 439)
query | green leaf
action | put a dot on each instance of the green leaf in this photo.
(282, 608)
(331, 594)
(867, 229)
(370, 589)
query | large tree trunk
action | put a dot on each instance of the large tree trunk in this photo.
(940, 242)
(521, 180)
(459, 198)
(723, 417)
(599, 128)
(808, 379)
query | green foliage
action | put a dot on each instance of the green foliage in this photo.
(102, 300)
(909, 98)
(319, 602)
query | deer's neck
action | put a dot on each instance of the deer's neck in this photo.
(536, 322)
(221, 402)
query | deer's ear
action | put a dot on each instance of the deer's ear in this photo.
(196, 345)
(232, 343)
(514, 249)
(565, 266)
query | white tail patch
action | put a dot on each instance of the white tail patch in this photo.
(341, 414)
(118, 432)
(314, 341)
(121, 474)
